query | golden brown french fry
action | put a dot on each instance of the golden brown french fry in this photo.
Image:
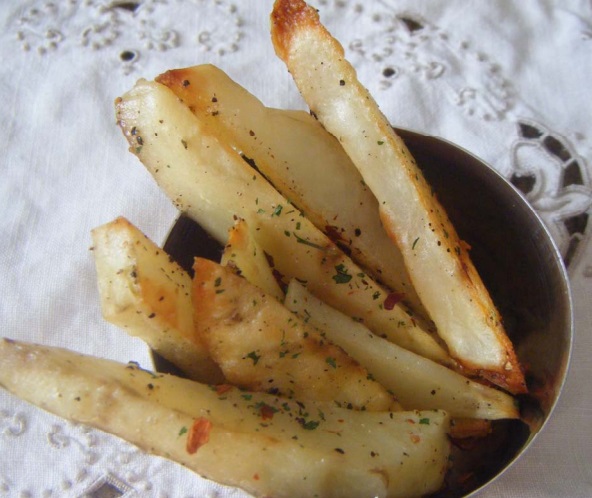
(418, 383)
(148, 295)
(437, 260)
(246, 256)
(261, 346)
(305, 163)
(266, 445)
(469, 428)
(191, 161)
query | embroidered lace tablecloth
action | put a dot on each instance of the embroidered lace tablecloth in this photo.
(509, 81)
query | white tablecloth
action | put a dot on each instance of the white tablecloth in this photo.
(509, 81)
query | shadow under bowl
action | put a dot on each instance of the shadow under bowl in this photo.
(524, 273)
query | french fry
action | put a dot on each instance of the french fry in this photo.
(261, 346)
(246, 256)
(265, 445)
(208, 180)
(437, 260)
(469, 428)
(148, 295)
(305, 163)
(418, 383)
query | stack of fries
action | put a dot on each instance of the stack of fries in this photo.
(343, 336)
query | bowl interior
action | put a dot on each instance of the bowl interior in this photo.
(520, 266)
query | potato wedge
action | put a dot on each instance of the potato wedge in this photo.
(305, 163)
(333, 277)
(205, 178)
(438, 262)
(266, 445)
(418, 383)
(149, 296)
(243, 254)
(261, 346)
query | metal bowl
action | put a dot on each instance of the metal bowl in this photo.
(524, 273)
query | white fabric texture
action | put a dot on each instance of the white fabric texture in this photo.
(476, 73)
